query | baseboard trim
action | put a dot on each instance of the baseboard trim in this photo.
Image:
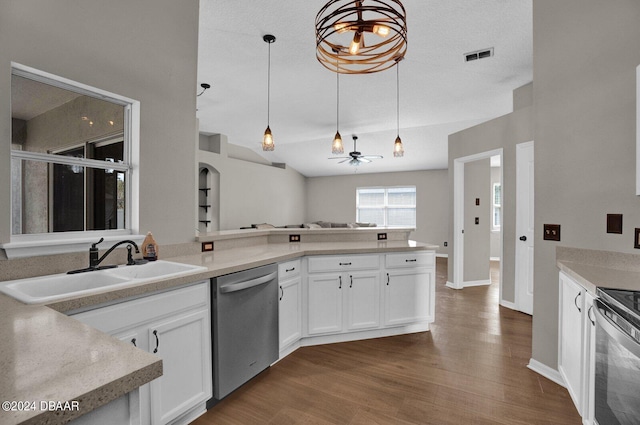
(494, 258)
(546, 371)
(476, 283)
(442, 255)
(508, 304)
(452, 285)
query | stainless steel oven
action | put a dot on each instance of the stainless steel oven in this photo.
(617, 368)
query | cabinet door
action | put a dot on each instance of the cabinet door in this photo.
(324, 307)
(408, 296)
(363, 300)
(571, 337)
(589, 366)
(290, 312)
(183, 342)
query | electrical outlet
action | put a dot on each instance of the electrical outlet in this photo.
(477, 220)
(551, 232)
(477, 201)
(207, 246)
(294, 238)
(382, 236)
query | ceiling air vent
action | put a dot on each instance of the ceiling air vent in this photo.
(478, 54)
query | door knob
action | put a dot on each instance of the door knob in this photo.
(523, 238)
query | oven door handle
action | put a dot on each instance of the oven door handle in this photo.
(239, 286)
(615, 332)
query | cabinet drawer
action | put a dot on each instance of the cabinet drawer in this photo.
(333, 263)
(410, 259)
(117, 317)
(289, 269)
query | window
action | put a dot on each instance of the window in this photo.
(74, 150)
(387, 207)
(497, 205)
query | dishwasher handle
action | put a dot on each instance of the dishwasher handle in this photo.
(239, 286)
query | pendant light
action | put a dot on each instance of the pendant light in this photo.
(398, 149)
(267, 140)
(336, 146)
(379, 31)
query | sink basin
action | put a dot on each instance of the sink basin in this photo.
(45, 289)
(154, 269)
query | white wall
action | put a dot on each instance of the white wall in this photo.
(145, 50)
(585, 54)
(477, 177)
(334, 199)
(253, 192)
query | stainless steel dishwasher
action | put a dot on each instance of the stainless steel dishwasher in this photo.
(244, 326)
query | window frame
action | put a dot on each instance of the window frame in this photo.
(386, 207)
(494, 206)
(23, 245)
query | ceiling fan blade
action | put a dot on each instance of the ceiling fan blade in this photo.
(345, 160)
(364, 159)
(372, 157)
(339, 157)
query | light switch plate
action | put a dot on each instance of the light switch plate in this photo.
(551, 232)
(614, 223)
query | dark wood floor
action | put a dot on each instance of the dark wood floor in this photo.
(470, 369)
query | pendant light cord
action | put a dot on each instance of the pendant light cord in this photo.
(398, 97)
(269, 84)
(337, 92)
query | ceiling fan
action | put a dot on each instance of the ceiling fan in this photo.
(355, 157)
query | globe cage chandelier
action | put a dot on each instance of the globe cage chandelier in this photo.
(375, 32)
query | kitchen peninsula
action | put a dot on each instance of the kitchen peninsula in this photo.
(73, 375)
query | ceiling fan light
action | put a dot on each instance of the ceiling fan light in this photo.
(381, 30)
(337, 147)
(398, 149)
(267, 140)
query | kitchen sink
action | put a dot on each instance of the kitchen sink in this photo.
(154, 269)
(45, 289)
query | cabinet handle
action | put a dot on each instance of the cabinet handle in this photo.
(411, 261)
(133, 341)
(351, 284)
(387, 279)
(290, 270)
(575, 301)
(589, 316)
(345, 264)
(155, 350)
(340, 279)
(281, 293)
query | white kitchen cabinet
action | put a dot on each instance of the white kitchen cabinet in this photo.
(175, 325)
(408, 296)
(409, 288)
(589, 367)
(290, 303)
(362, 300)
(343, 293)
(324, 303)
(576, 344)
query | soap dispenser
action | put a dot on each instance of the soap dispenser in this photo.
(149, 248)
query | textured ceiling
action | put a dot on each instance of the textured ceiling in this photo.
(439, 92)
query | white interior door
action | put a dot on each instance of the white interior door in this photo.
(524, 227)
